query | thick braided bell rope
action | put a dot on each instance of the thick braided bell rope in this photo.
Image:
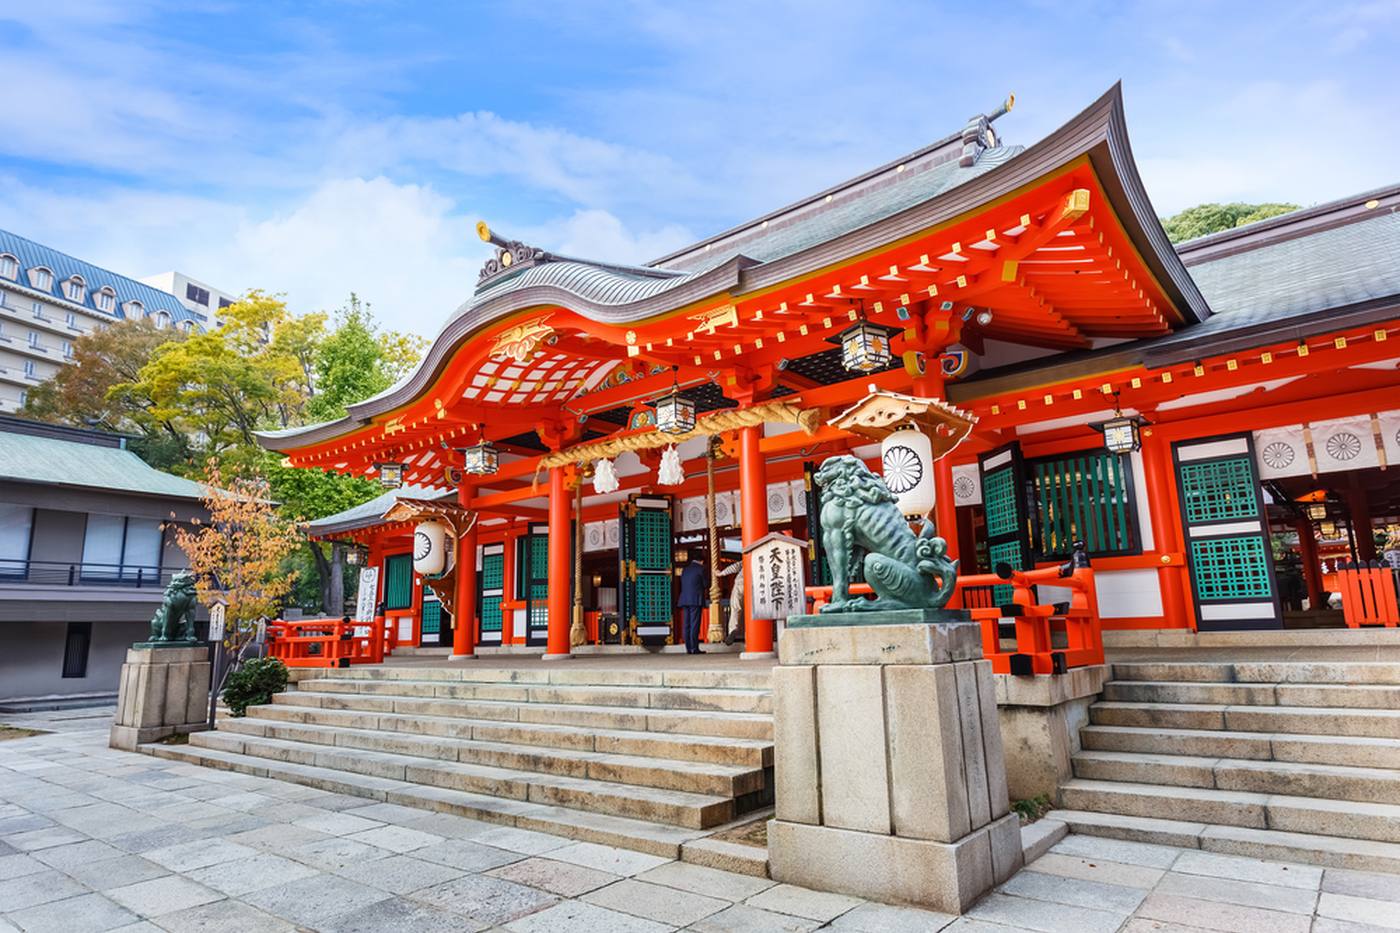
(715, 422)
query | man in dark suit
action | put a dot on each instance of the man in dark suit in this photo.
(692, 601)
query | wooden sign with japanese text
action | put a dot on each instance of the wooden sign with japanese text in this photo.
(778, 565)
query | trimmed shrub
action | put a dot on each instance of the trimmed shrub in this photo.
(254, 683)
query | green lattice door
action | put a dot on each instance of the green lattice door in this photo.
(1004, 503)
(491, 589)
(1227, 534)
(532, 582)
(645, 558)
(398, 581)
(435, 625)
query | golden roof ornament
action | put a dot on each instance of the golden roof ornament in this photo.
(511, 256)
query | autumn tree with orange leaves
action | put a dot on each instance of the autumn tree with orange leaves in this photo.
(239, 554)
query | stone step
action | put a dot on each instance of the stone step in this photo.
(673, 807)
(1360, 752)
(1378, 822)
(631, 697)
(1349, 696)
(671, 721)
(1274, 845)
(1188, 692)
(703, 678)
(1341, 673)
(1167, 671)
(638, 835)
(1371, 785)
(752, 753)
(720, 780)
(1372, 723)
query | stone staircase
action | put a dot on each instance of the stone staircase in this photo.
(648, 760)
(1292, 761)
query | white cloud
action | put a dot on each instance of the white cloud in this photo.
(596, 234)
(407, 249)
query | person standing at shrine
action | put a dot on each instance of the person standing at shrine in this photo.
(693, 586)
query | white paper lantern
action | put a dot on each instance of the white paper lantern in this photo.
(906, 457)
(430, 548)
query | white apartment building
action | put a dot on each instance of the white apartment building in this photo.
(199, 297)
(48, 299)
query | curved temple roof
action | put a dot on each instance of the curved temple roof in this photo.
(929, 188)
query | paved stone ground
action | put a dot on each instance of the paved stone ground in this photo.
(93, 839)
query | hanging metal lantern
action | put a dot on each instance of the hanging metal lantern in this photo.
(675, 414)
(906, 457)
(356, 556)
(481, 459)
(1121, 435)
(390, 474)
(865, 347)
(1317, 511)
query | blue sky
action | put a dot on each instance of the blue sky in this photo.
(316, 148)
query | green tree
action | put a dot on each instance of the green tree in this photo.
(93, 392)
(224, 384)
(357, 361)
(1212, 218)
(204, 395)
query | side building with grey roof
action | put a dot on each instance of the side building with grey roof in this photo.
(87, 545)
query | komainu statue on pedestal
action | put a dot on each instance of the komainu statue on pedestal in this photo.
(860, 522)
(173, 622)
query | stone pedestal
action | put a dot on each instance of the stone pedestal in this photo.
(163, 691)
(1040, 722)
(890, 780)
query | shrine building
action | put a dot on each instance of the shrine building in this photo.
(1216, 421)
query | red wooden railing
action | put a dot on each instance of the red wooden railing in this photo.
(326, 642)
(1035, 624)
(1368, 594)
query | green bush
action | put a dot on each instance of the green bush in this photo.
(254, 683)
(1034, 808)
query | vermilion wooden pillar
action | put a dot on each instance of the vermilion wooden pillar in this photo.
(753, 493)
(945, 507)
(1166, 530)
(464, 619)
(1359, 505)
(1312, 569)
(557, 643)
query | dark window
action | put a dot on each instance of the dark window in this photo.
(199, 296)
(224, 303)
(75, 649)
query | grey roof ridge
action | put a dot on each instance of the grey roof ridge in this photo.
(1099, 132)
(1302, 222)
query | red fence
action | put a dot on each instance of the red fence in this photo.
(1035, 626)
(326, 642)
(1368, 594)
